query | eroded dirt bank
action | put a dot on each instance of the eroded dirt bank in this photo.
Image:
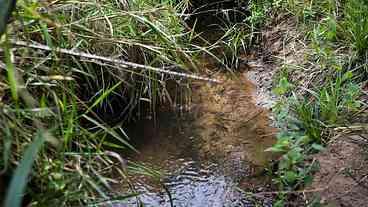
(342, 178)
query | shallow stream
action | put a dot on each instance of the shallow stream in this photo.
(211, 155)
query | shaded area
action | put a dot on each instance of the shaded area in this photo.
(209, 16)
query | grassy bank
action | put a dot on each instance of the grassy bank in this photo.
(322, 92)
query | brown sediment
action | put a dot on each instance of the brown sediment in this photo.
(229, 123)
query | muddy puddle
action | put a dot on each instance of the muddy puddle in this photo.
(211, 154)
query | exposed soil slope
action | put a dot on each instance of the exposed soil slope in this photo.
(343, 175)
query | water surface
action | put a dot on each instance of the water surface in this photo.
(210, 155)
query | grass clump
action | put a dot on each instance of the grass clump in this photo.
(305, 124)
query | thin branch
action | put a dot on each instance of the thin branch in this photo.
(121, 63)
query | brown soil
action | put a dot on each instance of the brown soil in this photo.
(342, 180)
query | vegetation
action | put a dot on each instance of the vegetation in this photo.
(73, 72)
(336, 64)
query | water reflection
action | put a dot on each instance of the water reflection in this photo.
(171, 145)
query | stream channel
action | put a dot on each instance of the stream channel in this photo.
(211, 154)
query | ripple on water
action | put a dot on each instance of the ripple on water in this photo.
(192, 186)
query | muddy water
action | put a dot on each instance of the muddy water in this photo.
(209, 155)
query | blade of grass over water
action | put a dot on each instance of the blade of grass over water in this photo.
(103, 96)
(110, 131)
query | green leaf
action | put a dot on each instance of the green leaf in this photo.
(283, 86)
(284, 163)
(110, 144)
(20, 176)
(295, 155)
(6, 9)
(308, 180)
(104, 95)
(11, 73)
(291, 176)
(347, 76)
(279, 203)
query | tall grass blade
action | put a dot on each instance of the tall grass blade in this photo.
(11, 73)
(20, 176)
(110, 131)
(103, 96)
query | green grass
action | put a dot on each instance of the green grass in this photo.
(355, 25)
(19, 181)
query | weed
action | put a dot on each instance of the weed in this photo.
(234, 42)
